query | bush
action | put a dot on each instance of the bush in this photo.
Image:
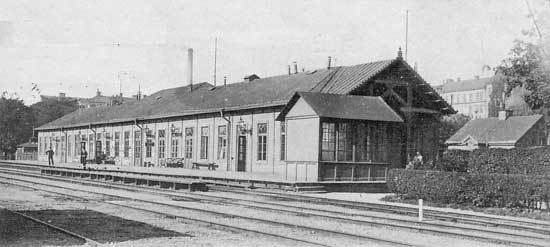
(535, 161)
(476, 189)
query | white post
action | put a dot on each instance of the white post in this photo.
(420, 209)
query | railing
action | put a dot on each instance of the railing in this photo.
(27, 156)
(336, 171)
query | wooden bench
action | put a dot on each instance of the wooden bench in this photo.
(211, 165)
(174, 162)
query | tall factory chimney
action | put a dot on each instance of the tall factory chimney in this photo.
(190, 68)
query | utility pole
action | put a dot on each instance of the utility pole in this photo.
(215, 58)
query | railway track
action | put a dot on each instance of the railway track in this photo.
(517, 223)
(327, 235)
(489, 235)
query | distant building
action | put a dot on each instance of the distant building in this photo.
(477, 98)
(504, 131)
(60, 97)
(101, 100)
(27, 150)
(96, 101)
(481, 97)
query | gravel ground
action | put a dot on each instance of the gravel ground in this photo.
(17, 198)
(195, 234)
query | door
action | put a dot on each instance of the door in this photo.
(98, 149)
(241, 154)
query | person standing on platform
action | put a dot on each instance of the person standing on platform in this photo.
(50, 154)
(83, 157)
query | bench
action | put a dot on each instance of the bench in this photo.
(174, 162)
(211, 165)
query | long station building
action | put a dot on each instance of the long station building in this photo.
(347, 123)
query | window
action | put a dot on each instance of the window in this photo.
(471, 97)
(262, 141)
(108, 144)
(204, 142)
(222, 142)
(117, 144)
(162, 143)
(77, 147)
(175, 146)
(283, 141)
(188, 143)
(369, 140)
(69, 145)
(328, 142)
(137, 144)
(126, 144)
(364, 142)
(148, 143)
(345, 142)
(91, 145)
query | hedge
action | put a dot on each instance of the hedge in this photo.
(535, 161)
(476, 189)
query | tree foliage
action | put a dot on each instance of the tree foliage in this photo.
(15, 122)
(527, 67)
(48, 110)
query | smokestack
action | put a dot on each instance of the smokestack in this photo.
(329, 58)
(295, 68)
(190, 68)
(289, 69)
(225, 80)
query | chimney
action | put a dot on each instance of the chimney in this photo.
(476, 77)
(61, 95)
(225, 80)
(295, 68)
(399, 53)
(504, 114)
(289, 69)
(328, 66)
(190, 68)
(98, 93)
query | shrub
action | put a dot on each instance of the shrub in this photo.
(476, 189)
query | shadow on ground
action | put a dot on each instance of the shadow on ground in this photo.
(100, 227)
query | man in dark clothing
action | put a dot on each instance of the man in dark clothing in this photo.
(83, 157)
(50, 154)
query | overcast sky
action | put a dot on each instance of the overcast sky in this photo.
(78, 46)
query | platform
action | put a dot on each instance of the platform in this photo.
(221, 178)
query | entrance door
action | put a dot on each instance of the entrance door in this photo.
(241, 154)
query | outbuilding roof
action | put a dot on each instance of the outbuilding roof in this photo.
(275, 91)
(493, 130)
(343, 106)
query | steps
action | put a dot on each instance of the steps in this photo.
(307, 188)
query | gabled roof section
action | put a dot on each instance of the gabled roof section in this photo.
(344, 107)
(493, 130)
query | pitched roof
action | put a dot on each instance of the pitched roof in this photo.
(466, 85)
(493, 130)
(345, 107)
(263, 92)
(28, 145)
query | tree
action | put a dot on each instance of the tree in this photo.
(527, 67)
(15, 123)
(48, 110)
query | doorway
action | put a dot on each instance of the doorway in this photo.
(241, 153)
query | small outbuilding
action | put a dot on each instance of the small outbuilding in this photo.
(27, 151)
(504, 131)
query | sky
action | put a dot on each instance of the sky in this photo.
(81, 46)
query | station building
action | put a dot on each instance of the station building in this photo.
(348, 123)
